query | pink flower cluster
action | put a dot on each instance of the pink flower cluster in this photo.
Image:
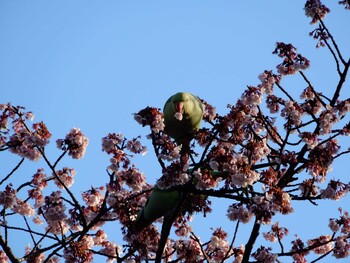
(79, 251)
(189, 250)
(312, 101)
(152, 117)
(268, 80)
(205, 180)
(9, 200)
(25, 142)
(293, 62)
(316, 10)
(237, 166)
(182, 227)
(54, 213)
(238, 212)
(276, 233)
(108, 248)
(75, 143)
(3, 257)
(17, 117)
(292, 112)
(335, 190)
(218, 248)
(64, 178)
(341, 247)
(132, 178)
(111, 141)
(177, 173)
(135, 146)
(323, 244)
(321, 158)
(39, 182)
(343, 223)
(265, 255)
(263, 207)
(209, 111)
(298, 246)
(308, 188)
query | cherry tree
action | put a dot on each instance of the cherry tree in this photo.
(268, 151)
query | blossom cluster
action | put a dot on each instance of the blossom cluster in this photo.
(64, 177)
(152, 117)
(54, 212)
(24, 141)
(263, 207)
(265, 255)
(218, 247)
(293, 62)
(276, 233)
(316, 10)
(75, 143)
(9, 200)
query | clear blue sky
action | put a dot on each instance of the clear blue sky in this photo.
(91, 64)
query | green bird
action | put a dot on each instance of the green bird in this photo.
(160, 203)
(183, 113)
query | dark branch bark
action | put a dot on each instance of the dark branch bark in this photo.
(8, 251)
(250, 244)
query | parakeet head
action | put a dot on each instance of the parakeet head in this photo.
(182, 104)
(183, 113)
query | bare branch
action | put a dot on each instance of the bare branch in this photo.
(13, 170)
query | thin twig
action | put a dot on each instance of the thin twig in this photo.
(13, 170)
(312, 88)
(232, 243)
(333, 42)
(195, 238)
(340, 83)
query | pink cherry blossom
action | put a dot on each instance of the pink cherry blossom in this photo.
(3, 257)
(316, 10)
(323, 244)
(64, 177)
(264, 255)
(238, 212)
(341, 247)
(75, 143)
(111, 141)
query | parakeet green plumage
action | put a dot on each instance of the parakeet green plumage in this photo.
(183, 113)
(160, 203)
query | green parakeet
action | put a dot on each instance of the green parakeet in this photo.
(183, 113)
(160, 203)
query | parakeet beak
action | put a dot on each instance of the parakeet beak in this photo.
(179, 107)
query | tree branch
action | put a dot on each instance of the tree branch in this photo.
(8, 250)
(250, 244)
(13, 170)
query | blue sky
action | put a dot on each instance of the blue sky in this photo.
(91, 64)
